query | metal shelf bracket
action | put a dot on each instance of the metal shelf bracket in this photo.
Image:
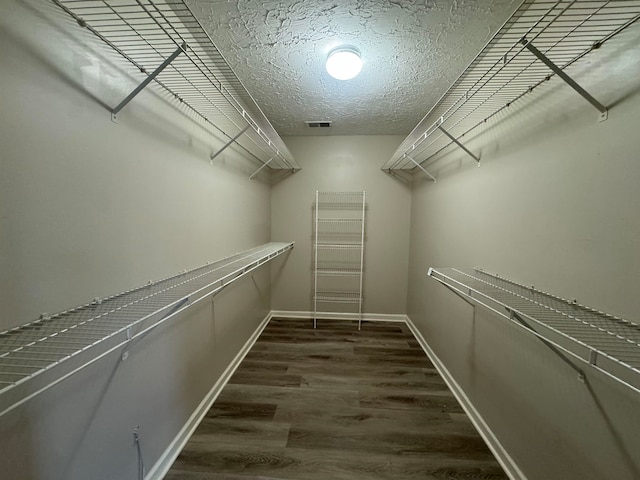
(232, 140)
(570, 81)
(261, 167)
(514, 316)
(147, 81)
(455, 140)
(433, 179)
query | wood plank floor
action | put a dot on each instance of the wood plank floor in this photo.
(335, 403)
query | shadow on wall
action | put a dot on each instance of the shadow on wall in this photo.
(278, 265)
(93, 69)
(626, 451)
(402, 176)
(47, 18)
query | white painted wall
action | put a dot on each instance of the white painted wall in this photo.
(343, 163)
(91, 208)
(555, 205)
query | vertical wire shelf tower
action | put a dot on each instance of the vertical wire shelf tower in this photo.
(339, 225)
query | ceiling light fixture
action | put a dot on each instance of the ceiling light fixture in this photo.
(344, 63)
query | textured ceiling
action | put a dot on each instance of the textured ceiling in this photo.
(412, 52)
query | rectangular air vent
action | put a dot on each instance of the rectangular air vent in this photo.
(318, 123)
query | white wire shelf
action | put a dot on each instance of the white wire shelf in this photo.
(339, 231)
(338, 297)
(165, 35)
(338, 272)
(339, 245)
(357, 221)
(333, 202)
(575, 332)
(41, 354)
(339, 236)
(508, 68)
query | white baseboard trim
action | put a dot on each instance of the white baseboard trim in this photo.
(508, 464)
(371, 317)
(162, 466)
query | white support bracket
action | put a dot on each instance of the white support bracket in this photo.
(515, 316)
(433, 179)
(146, 81)
(570, 81)
(455, 140)
(261, 167)
(238, 135)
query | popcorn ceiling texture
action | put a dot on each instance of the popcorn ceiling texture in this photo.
(412, 52)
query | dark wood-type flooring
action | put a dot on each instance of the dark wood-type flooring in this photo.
(335, 403)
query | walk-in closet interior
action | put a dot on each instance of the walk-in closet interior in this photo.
(220, 259)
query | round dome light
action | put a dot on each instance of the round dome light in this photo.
(344, 63)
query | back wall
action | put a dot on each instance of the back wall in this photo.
(343, 163)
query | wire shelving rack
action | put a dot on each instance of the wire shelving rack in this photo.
(164, 40)
(339, 226)
(540, 40)
(39, 355)
(581, 336)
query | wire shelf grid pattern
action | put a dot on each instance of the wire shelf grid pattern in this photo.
(338, 258)
(607, 342)
(49, 342)
(148, 32)
(333, 202)
(339, 227)
(339, 232)
(505, 71)
(338, 297)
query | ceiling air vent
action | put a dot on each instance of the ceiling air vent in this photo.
(318, 123)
